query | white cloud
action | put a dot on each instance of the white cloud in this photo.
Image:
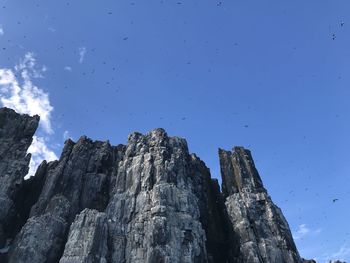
(2, 32)
(343, 254)
(304, 231)
(67, 68)
(301, 231)
(82, 52)
(66, 135)
(18, 92)
(25, 97)
(40, 152)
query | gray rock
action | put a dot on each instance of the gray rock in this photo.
(80, 175)
(81, 178)
(220, 237)
(146, 201)
(153, 214)
(42, 237)
(16, 133)
(87, 239)
(264, 234)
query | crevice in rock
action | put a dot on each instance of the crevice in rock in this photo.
(29, 194)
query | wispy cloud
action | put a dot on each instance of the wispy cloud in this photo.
(301, 231)
(343, 254)
(17, 91)
(304, 231)
(2, 32)
(67, 68)
(52, 29)
(82, 53)
(66, 135)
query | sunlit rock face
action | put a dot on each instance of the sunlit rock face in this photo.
(87, 239)
(153, 212)
(264, 234)
(149, 200)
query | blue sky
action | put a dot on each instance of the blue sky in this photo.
(272, 76)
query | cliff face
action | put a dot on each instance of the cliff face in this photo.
(264, 234)
(16, 132)
(147, 201)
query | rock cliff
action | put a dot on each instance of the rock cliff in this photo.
(147, 201)
(16, 133)
(264, 234)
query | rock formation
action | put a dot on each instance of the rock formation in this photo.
(16, 135)
(147, 201)
(264, 234)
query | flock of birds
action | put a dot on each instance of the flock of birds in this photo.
(334, 36)
(125, 38)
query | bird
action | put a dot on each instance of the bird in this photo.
(335, 199)
(333, 36)
(342, 23)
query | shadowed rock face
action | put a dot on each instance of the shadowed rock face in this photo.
(147, 201)
(16, 133)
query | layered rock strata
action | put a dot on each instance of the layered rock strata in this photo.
(264, 234)
(16, 135)
(147, 201)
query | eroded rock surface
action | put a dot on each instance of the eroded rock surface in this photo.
(42, 238)
(264, 234)
(16, 135)
(149, 200)
(87, 239)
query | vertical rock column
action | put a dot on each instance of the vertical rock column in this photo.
(87, 239)
(264, 234)
(16, 134)
(79, 180)
(153, 214)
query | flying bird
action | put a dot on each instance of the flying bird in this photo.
(335, 199)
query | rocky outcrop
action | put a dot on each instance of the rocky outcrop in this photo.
(42, 238)
(78, 180)
(149, 200)
(16, 133)
(87, 239)
(153, 212)
(264, 234)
